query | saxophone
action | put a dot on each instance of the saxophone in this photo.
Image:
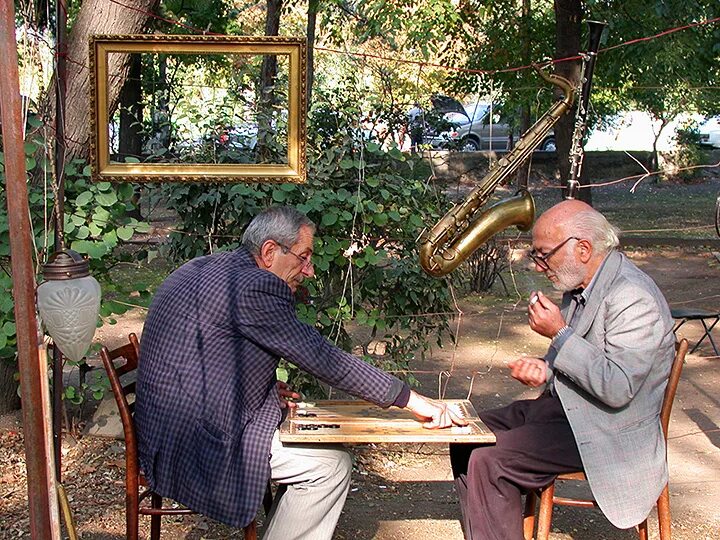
(467, 226)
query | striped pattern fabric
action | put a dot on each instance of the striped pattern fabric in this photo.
(207, 406)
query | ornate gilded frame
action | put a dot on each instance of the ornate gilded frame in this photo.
(105, 170)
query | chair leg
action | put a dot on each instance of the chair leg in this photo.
(708, 329)
(131, 516)
(663, 506)
(643, 530)
(251, 531)
(529, 516)
(155, 502)
(546, 512)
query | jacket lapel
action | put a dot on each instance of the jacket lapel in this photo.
(607, 274)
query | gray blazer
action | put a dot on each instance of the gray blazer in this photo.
(610, 375)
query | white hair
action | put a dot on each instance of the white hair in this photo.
(279, 223)
(592, 225)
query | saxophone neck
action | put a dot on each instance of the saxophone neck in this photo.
(561, 82)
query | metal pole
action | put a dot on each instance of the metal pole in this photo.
(59, 221)
(42, 499)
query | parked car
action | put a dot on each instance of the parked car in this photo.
(710, 132)
(469, 128)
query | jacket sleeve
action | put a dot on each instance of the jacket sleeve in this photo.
(265, 314)
(633, 332)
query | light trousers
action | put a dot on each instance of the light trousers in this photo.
(313, 484)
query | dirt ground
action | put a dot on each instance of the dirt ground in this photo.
(405, 491)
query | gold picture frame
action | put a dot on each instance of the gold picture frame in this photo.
(291, 113)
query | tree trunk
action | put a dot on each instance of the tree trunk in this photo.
(268, 75)
(313, 7)
(95, 17)
(568, 16)
(9, 400)
(523, 172)
(131, 115)
(131, 112)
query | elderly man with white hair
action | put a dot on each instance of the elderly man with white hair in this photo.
(604, 373)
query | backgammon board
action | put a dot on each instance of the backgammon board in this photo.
(362, 422)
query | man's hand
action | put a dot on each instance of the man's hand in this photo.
(433, 414)
(285, 393)
(529, 371)
(544, 316)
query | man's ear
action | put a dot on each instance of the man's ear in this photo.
(586, 250)
(268, 252)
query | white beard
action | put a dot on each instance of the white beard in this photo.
(569, 276)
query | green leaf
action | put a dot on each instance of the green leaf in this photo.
(372, 181)
(110, 238)
(329, 219)
(124, 233)
(81, 246)
(107, 198)
(82, 232)
(279, 195)
(380, 219)
(281, 374)
(84, 198)
(346, 164)
(115, 307)
(416, 220)
(125, 191)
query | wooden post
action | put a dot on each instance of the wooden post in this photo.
(42, 497)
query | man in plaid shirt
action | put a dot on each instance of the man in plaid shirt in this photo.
(208, 401)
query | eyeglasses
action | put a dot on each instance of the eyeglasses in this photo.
(541, 260)
(305, 260)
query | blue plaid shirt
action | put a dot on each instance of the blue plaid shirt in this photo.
(207, 405)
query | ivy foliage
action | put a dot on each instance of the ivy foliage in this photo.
(98, 223)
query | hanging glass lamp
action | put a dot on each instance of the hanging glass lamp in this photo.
(69, 303)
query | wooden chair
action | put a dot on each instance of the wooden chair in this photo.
(548, 497)
(134, 478)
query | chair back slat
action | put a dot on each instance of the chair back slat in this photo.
(681, 349)
(129, 353)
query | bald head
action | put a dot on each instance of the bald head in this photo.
(558, 220)
(576, 218)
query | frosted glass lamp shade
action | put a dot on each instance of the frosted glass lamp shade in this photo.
(69, 308)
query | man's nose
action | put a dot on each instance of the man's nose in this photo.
(309, 270)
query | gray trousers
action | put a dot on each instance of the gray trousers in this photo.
(313, 483)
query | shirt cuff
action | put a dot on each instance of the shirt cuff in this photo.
(403, 397)
(561, 337)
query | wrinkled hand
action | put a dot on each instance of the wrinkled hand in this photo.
(433, 414)
(544, 316)
(286, 393)
(529, 371)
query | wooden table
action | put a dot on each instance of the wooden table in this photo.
(356, 422)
